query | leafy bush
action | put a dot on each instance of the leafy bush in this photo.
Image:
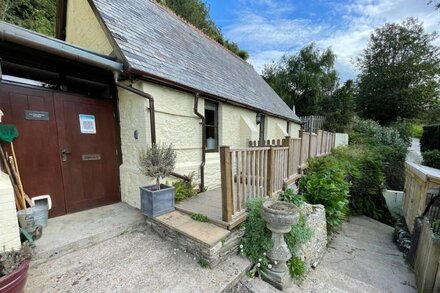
(430, 138)
(157, 162)
(291, 196)
(431, 158)
(384, 141)
(185, 189)
(257, 239)
(416, 130)
(329, 188)
(404, 128)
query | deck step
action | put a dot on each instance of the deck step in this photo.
(202, 239)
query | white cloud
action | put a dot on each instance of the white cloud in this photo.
(269, 33)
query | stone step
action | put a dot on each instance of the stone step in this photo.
(71, 232)
(202, 239)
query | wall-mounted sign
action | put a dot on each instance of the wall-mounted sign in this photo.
(36, 115)
(87, 123)
(91, 157)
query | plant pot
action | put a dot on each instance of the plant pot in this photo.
(15, 281)
(157, 202)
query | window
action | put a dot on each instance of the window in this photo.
(211, 125)
(262, 122)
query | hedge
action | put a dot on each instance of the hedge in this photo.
(430, 138)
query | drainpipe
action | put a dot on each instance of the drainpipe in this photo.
(202, 165)
(152, 115)
(144, 95)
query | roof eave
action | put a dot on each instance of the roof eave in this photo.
(130, 71)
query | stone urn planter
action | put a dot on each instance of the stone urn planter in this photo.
(156, 202)
(280, 216)
(15, 281)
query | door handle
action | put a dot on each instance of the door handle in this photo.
(64, 154)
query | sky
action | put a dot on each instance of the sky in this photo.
(268, 29)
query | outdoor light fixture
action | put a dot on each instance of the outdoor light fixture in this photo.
(259, 118)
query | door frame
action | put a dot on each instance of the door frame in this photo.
(117, 128)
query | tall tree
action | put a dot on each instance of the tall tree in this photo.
(399, 72)
(37, 15)
(340, 107)
(304, 79)
(196, 12)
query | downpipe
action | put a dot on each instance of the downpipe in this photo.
(202, 165)
(150, 99)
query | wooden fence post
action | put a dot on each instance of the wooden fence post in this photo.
(287, 142)
(270, 171)
(226, 181)
(300, 151)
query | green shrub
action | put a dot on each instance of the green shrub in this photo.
(364, 171)
(431, 158)
(185, 189)
(329, 188)
(199, 217)
(416, 130)
(290, 195)
(297, 267)
(257, 239)
(386, 142)
(430, 138)
(404, 128)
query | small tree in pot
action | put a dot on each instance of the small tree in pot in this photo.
(157, 162)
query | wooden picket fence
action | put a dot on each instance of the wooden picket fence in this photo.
(265, 167)
(427, 260)
(418, 181)
(312, 123)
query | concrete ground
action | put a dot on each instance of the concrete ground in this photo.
(137, 261)
(73, 231)
(361, 258)
(414, 155)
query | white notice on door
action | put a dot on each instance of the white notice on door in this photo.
(87, 123)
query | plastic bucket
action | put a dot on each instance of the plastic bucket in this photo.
(34, 216)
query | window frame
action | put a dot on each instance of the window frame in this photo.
(215, 127)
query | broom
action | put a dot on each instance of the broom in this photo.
(8, 133)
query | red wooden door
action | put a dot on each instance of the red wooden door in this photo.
(88, 153)
(36, 147)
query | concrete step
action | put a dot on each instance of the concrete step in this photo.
(83, 229)
(202, 239)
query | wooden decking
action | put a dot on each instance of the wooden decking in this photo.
(209, 203)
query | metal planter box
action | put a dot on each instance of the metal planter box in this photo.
(157, 202)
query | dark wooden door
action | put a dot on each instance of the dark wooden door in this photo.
(88, 153)
(37, 146)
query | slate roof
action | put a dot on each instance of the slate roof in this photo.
(157, 42)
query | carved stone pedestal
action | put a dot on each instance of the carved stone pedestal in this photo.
(280, 216)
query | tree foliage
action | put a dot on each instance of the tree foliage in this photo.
(37, 15)
(304, 79)
(340, 107)
(196, 12)
(399, 72)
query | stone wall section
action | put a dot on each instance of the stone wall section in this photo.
(212, 254)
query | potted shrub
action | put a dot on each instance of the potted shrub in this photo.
(14, 266)
(157, 162)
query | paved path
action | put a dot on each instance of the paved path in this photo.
(414, 155)
(137, 261)
(361, 258)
